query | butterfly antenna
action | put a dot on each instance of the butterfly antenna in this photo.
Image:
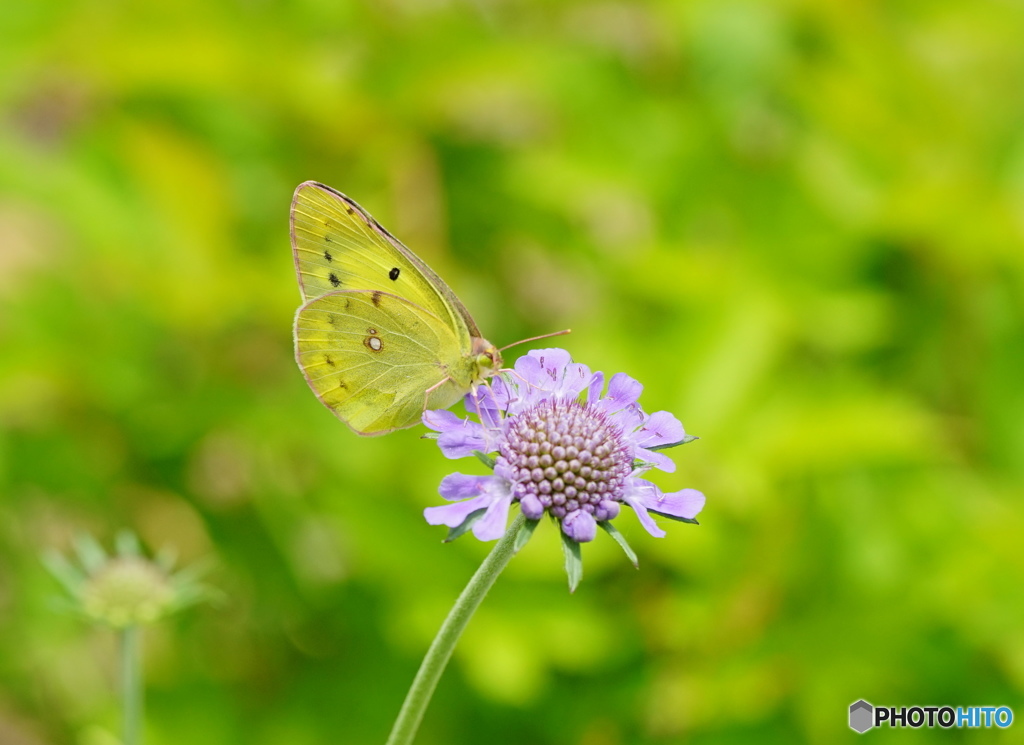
(535, 338)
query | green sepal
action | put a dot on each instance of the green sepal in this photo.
(430, 435)
(127, 543)
(70, 576)
(466, 524)
(166, 557)
(524, 534)
(189, 588)
(573, 561)
(691, 520)
(66, 607)
(193, 573)
(90, 552)
(621, 540)
(686, 439)
(485, 459)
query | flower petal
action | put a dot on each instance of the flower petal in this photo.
(620, 403)
(580, 526)
(660, 428)
(461, 443)
(684, 503)
(645, 519)
(622, 391)
(442, 420)
(660, 460)
(487, 492)
(483, 401)
(542, 373)
(492, 525)
(627, 419)
(637, 494)
(518, 395)
(577, 379)
(462, 485)
(506, 472)
(531, 377)
(453, 515)
(594, 391)
(553, 360)
(502, 391)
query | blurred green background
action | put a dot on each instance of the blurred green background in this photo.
(800, 224)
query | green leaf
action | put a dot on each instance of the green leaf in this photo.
(466, 524)
(573, 561)
(621, 540)
(688, 438)
(524, 534)
(485, 459)
(678, 519)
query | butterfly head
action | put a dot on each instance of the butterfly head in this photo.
(486, 358)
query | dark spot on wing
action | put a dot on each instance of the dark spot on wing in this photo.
(349, 209)
(328, 239)
(327, 254)
(334, 279)
(375, 298)
(341, 384)
(329, 360)
(393, 274)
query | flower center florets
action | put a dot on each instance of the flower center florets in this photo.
(126, 591)
(565, 456)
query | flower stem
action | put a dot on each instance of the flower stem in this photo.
(409, 718)
(131, 684)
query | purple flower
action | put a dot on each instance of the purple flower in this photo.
(562, 449)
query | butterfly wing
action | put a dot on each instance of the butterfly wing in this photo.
(371, 357)
(338, 246)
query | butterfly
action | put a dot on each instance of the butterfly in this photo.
(379, 336)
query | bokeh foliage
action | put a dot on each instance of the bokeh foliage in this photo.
(800, 224)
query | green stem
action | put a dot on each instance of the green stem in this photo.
(131, 684)
(404, 729)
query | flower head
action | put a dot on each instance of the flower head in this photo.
(562, 449)
(125, 589)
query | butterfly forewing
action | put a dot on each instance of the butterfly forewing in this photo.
(370, 356)
(338, 246)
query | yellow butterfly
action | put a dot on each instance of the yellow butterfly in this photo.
(380, 337)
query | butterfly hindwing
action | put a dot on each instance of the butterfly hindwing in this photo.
(370, 356)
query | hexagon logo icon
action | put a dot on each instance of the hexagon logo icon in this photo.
(861, 716)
